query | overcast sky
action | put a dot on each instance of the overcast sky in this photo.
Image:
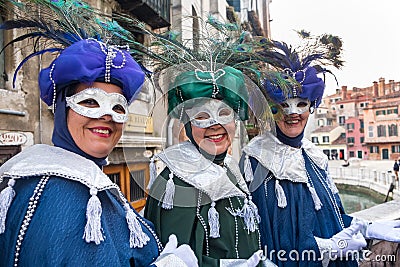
(370, 31)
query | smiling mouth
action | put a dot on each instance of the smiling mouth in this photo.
(292, 121)
(101, 132)
(216, 138)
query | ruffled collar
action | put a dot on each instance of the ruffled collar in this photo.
(41, 159)
(285, 162)
(186, 162)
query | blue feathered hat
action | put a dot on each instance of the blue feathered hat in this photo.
(300, 67)
(309, 86)
(87, 61)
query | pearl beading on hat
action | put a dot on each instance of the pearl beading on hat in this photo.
(54, 87)
(293, 74)
(111, 52)
(215, 75)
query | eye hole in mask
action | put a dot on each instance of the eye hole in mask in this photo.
(210, 113)
(295, 106)
(95, 103)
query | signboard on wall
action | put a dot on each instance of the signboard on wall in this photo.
(139, 123)
(12, 139)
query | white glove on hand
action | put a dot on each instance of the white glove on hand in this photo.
(384, 230)
(343, 243)
(257, 257)
(172, 255)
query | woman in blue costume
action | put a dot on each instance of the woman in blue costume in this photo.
(303, 222)
(58, 207)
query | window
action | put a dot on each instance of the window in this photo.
(374, 149)
(132, 179)
(325, 139)
(381, 130)
(380, 112)
(350, 126)
(392, 130)
(392, 111)
(343, 135)
(351, 154)
(341, 106)
(370, 131)
(314, 140)
(350, 140)
(361, 105)
(396, 149)
(361, 124)
(320, 122)
(362, 139)
(342, 120)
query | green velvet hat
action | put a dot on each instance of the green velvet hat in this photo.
(226, 84)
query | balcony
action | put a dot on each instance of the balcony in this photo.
(155, 13)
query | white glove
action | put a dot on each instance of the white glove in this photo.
(384, 230)
(172, 255)
(257, 257)
(343, 243)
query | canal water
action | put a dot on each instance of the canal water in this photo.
(355, 198)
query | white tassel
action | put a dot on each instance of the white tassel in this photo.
(213, 221)
(137, 238)
(93, 231)
(6, 197)
(317, 201)
(255, 210)
(280, 195)
(168, 200)
(248, 216)
(153, 173)
(248, 171)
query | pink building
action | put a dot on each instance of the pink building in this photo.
(355, 139)
(370, 116)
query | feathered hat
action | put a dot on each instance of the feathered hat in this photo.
(302, 65)
(88, 47)
(220, 62)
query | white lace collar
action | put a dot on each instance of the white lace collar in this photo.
(40, 159)
(285, 162)
(186, 162)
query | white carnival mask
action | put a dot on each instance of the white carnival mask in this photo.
(95, 102)
(209, 113)
(295, 106)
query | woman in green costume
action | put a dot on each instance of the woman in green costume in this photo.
(201, 196)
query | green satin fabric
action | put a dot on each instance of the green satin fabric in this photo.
(191, 85)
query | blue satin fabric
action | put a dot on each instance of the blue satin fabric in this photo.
(292, 229)
(54, 236)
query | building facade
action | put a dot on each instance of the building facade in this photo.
(26, 120)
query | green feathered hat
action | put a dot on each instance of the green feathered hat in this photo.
(226, 84)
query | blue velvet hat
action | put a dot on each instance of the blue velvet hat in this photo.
(299, 67)
(87, 61)
(309, 86)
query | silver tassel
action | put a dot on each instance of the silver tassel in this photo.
(137, 238)
(314, 195)
(6, 197)
(280, 195)
(213, 221)
(168, 200)
(248, 171)
(153, 173)
(93, 231)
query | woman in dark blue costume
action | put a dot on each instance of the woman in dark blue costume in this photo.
(303, 222)
(58, 208)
